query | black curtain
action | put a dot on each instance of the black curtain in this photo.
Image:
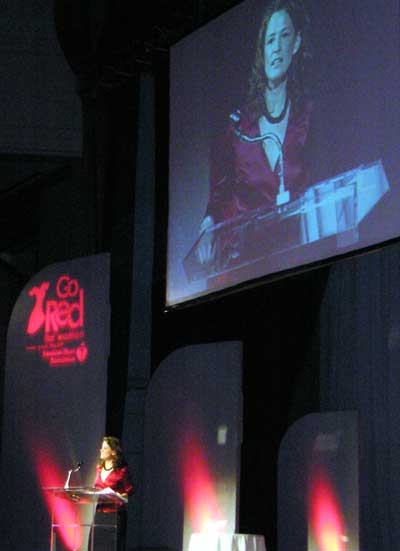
(99, 40)
(360, 370)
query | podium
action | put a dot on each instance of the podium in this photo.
(84, 519)
(333, 208)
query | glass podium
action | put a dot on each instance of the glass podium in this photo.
(331, 208)
(84, 519)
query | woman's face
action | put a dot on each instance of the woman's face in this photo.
(106, 452)
(281, 43)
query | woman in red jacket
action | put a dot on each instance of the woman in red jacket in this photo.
(112, 472)
(246, 171)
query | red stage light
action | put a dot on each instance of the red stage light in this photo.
(200, 496)
(65, 513)
(325, 514)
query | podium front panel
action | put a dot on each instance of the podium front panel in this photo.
(101, 534)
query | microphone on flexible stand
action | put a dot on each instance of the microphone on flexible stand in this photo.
(283, 195)
(73, 470)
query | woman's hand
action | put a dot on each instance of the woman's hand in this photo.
(206, 250)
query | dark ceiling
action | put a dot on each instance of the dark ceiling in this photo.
(102, 28)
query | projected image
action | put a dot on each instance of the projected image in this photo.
(278, 156)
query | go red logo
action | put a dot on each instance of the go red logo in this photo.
(64, 312)
(59, 311)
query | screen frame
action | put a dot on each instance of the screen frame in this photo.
(215, 294)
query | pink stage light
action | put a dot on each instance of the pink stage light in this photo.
(325, 515)
(65, 513)
(200, 496)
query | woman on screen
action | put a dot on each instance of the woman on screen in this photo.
(112, 472)
(246, 171)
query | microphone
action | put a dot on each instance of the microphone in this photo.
(73, 470)
(283, 195)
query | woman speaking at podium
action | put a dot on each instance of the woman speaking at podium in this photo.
(246, 171)
(112, 472)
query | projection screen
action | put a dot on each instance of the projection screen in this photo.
(283, 151)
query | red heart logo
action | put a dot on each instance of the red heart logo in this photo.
(82, 352)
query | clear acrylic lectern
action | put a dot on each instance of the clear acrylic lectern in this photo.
(75, 520)
(332, 208)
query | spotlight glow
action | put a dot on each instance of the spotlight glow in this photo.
(326, 518)
(199, 493)
(65, 513)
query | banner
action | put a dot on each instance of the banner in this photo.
(54, 398)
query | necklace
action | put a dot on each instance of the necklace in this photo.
(281, 116)
(109, 469)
